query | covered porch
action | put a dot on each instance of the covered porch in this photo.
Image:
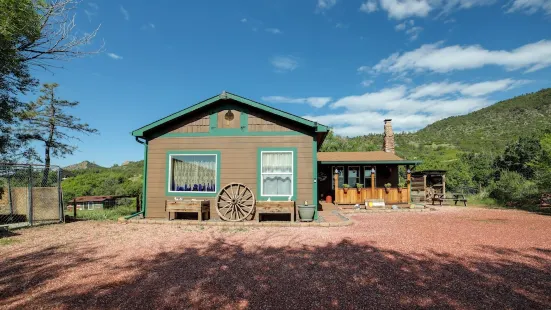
(357, 177)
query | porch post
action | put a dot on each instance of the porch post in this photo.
(336, 182)
(373, 182)
(409, 183)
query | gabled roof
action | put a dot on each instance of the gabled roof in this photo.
(225, 95)
(375, 157)
(92, 198)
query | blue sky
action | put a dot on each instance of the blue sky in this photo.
(345, 63)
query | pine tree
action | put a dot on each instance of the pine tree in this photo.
(46, 121)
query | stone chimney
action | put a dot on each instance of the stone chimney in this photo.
(388, 142)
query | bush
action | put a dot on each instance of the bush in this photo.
(111, 214)
(513, 189)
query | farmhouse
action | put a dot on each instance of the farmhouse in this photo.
(269, 154)
(91, 202)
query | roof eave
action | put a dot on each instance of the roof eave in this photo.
(374, 162)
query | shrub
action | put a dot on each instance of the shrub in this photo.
(513, 189)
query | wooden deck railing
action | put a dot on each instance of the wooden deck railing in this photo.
(353, 196)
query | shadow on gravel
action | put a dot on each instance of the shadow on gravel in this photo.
(343, 275)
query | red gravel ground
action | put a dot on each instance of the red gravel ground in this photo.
(455, 258)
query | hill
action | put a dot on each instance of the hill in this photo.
(83, 166)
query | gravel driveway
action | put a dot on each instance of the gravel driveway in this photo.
(454, 258)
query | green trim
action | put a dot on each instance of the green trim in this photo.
(244, 120)
(213, 121)
(144, 185)
(259, 173)
(318, 127)
(315, 197)
(185, 194)
(387, 162)
(231, 133)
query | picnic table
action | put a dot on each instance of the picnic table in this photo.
(454, 197)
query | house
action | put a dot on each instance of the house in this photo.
(91, 202)
(226, 139)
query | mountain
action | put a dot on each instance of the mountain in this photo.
(85, 165)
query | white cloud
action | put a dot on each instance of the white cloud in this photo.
(273, 30)
(410, 108)
(148, 26)
(284, 63)
(414, 32)
(369, 6)
(89, 14)
(439, 58)
(326, 4)
(243, 20)
(93, 5)
(367, 83)
(529, 6)
(125, 13)
(473, 90)
(316, 102)
(114, 56)
(402, 9)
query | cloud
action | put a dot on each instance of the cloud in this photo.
(402, 9)
(114, 56)
(529, 6)
(341, 26)
(473, 90)
(369, 6)
(284, 63)
(148, 26)
(243, 20)
(125, 13)
(93, 5)
(273, 30)
(367, 83)
(316, 102)
(409, 28)
(326, 4)
(438, 58)
(89, 14)
(411, 108)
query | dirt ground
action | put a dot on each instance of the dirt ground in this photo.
(453, 258)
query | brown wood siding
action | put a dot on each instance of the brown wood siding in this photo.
(238, 163)
(223, 123)
(260, 123)
(198, 124)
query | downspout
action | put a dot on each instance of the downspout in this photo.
(144, 183)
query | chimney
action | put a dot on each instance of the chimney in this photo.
(388, 142)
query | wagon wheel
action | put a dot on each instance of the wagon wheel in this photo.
(235, 202)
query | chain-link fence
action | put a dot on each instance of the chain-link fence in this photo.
(30, 194)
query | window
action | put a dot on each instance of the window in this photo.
(193, 173)
(276, 173)
(353, 175)
(340, 170)
(367, 177)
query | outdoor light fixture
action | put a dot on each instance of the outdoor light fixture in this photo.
(372, 170)
(409, 171)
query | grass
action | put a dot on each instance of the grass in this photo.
(108, 214)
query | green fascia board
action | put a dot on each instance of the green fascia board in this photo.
(387, 162)
(185, 194)
(259, 197)
(233, 132)
(318, 127)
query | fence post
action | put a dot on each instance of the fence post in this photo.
(75, 208)
(59, 195)
(30, 197)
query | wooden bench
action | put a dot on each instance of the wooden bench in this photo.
(201, 207)
(275, 207)
(456, 198)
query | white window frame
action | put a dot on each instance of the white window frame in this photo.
(277, 173)
(191, 192)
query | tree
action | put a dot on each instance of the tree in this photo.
(518, 155)
(46, 121)
(33, 33)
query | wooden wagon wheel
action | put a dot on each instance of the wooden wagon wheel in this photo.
(235, 202)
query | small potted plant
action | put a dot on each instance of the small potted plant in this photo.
(359, 187)
(387, 187)
(345, 188)
(401, 186)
